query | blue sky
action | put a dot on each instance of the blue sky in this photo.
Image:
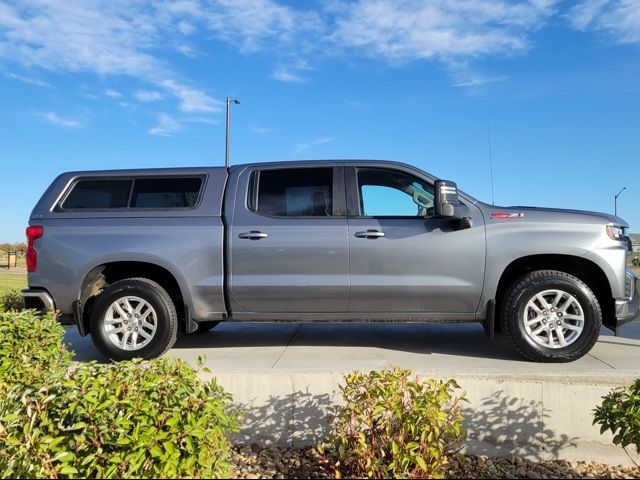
(129, 83)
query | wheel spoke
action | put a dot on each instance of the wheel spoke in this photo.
(561, 339)
(551, 344)
(575, 328)
(568, 302)
(543, 302)
(119, 309)
(535, 320)
(539, 330)
(559, 296)
(144, 316)
(144, 334)
(112, 321)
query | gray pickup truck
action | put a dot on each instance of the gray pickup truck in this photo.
(136, 256)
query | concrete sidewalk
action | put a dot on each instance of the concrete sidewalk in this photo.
(288, 375)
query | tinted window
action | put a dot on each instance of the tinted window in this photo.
(391, 193)
(165, 192)
(295, 192)
(96, 194)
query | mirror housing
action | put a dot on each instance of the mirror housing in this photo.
(447, 204)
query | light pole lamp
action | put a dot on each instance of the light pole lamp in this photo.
(615, 201)
(226, 152)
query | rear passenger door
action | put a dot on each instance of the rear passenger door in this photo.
(288, 242)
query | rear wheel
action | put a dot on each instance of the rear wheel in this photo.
(134, 318)
(551, 316)
(204, 327)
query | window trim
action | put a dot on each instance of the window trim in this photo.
(354, 197)
(338, 201)
(59, 205)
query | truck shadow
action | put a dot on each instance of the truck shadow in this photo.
(466, 339)
(496, 426)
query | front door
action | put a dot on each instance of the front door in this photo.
(402, 258)
(288, 242)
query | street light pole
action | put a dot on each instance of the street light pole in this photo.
(615, 201)
(226, 153)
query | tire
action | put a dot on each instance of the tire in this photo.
(113, 328)
(535, 297)
(204, 327)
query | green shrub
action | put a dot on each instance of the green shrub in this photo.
(620, 414)
(132, 419)
(11, 301)
(31, 348)
(394, 425)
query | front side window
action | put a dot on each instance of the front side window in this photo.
(98, 194)
(299, 192)
(391, 193)
(166, 192)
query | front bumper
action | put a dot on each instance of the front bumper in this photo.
(628, 309)
(39, 299)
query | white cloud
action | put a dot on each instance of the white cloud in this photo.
(283, 75)
(166, 126)
(186, 28)
(619, 18)
(191, 100)
(132, 37)
(55, 119)
(104, 37)
(29, 80)
(148, 95)
(301, 147)
(253, 24)
(405, 30)
(260, 130)
(112, 93)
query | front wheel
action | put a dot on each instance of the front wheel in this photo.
(134, 318)
(551, 316)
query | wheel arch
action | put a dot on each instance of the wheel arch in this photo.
(586, 270)
(100, 276)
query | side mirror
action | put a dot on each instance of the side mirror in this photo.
(447, 204)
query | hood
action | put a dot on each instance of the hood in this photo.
(558, 214)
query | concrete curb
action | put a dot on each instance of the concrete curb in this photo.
(538, 419)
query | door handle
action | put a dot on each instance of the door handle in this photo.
(370, 234)
(253, 235)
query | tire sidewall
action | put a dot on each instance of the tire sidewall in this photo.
(549, 282)
(147, 293)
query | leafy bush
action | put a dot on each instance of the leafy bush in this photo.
(11, 301)
(131, 419)
(620, 413)
(394, 425)
(31, 348)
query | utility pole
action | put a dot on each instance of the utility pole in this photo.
(615, 201)
(226, 153)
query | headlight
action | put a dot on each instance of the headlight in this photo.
(615, 232)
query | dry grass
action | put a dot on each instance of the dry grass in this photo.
(12, 281)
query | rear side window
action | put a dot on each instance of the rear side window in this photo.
(166, 192)
(97, 194)
(299, 192)
(148, 192)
